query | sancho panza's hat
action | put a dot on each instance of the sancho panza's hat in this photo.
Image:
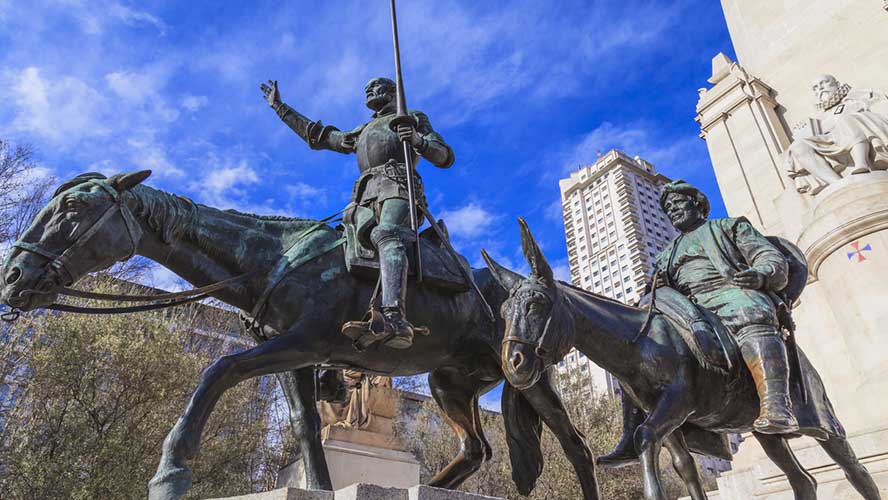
(680, 186)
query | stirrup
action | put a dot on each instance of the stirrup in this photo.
(364, 333)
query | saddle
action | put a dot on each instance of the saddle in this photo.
(441, 267)
(717, 352)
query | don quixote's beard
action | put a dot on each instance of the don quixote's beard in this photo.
(378, 101)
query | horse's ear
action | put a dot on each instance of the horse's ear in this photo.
(539, 267)
(125, 182)
(505, 277)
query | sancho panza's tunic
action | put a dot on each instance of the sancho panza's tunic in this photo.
(700, 264)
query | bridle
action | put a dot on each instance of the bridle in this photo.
(61, 262)
(62, 265)
(539, 347)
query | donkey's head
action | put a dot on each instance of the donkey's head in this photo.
(538, 328)
(87, 226)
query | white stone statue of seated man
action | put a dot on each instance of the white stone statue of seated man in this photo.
(849, 133)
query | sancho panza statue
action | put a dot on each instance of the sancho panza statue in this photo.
(849, 133)
(382, 185)
(727, 267)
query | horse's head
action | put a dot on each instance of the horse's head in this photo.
(87, 226)
(538, 330)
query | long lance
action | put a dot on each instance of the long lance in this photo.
(402, 118)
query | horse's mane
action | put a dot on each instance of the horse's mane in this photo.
(170, 215)
(271, 218)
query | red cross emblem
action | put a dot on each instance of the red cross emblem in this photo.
(859, 251)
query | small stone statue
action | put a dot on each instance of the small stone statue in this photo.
(849, 132)
(358, 408)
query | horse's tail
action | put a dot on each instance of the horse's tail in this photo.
(523, 429)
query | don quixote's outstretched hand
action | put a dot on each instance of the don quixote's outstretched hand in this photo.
(271, 93)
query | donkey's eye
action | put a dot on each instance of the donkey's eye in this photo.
(70, 204)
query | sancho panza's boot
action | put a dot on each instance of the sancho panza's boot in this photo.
(624, 453)
(765, 354)
(389, 241)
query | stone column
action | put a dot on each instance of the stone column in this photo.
(745, 137)
(842, 318)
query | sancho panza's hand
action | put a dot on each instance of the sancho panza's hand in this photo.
(271, 93)
(750, 278)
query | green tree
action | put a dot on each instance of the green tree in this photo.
(99, 394)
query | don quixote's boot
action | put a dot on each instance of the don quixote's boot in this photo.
(767, 360)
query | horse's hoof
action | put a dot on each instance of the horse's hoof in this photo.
(170, 484)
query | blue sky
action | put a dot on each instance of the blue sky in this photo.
(523, 90)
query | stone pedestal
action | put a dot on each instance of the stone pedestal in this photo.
(368, 454)
(364, 492)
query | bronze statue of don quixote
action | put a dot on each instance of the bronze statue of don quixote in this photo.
(711, 351)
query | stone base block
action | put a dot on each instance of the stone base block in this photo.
(423, 492)
(364, 492)
(353, 463)
(757, 478)
(285, 494)
(370, 492)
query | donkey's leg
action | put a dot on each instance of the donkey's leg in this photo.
(173, 477)
(669, 413)
(839, 450)
(299, 389)
(804, 486)
(685, 465)
(458, 398)
(547, 403)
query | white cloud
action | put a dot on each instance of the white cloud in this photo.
(97, 17)
(63, 111)
(131, 86)
(561, 272)
(468, 221)
(132, 17)
(146, 153)
(193, 103)
(679, 155)
(223, 186)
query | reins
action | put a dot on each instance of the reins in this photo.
(60, 263)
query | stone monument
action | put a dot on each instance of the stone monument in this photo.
(359, 439)
(820, 184)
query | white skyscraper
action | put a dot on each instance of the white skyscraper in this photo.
(615, 229)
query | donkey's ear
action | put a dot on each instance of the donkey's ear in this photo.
(539, 267)
(505, 277)
(125, 182)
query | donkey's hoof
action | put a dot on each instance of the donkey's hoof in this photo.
(169, 484)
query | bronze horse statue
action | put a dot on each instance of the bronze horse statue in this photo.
(545, 318)
(92, 222)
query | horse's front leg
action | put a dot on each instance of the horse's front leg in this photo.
(547, 403)
(299, 389)
(667, 415)
(173, 478)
